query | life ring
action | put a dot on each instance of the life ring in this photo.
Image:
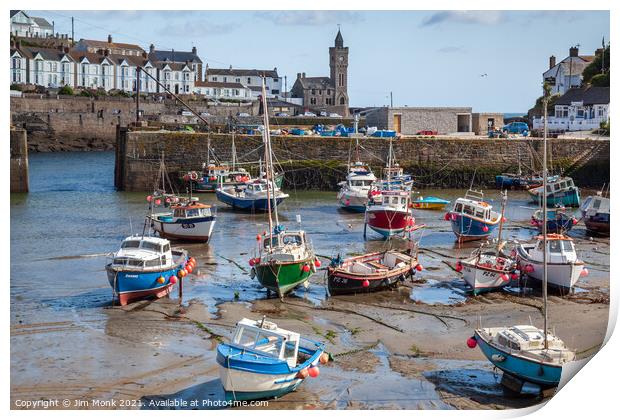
(193, 176)
(238, 178)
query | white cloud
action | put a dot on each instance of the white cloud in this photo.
(479, 17)
(310, 17)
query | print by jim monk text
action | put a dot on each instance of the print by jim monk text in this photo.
(173, 403)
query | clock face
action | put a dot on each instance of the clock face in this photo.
(341, 58)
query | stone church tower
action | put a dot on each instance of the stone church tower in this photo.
(338, 64)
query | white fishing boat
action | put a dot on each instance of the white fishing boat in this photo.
(189, 221)
(564, 268)
(251, 196)
(353, 194)
(490, 270)
(264, 361)
(595, 212)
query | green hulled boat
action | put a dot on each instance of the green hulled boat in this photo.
(285, 258)
(286, 264)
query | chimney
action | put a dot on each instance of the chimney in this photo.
(66, 49)
(573, 52)
(299, 75)
(106, 52)
(230, 68)
(151, 49)
(194, 50)
(144, 55)
(552, 61)
(303, 75)
(109, 39)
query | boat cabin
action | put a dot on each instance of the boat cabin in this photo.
(559, 185)
(521, 337)
(398, 199)
(144, 253)
(265, 338)
(595, 205)
(473, 205)
(560, 249)
(393, 172)
(283, 239)
(191, 210)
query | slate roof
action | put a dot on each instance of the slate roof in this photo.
(219, 85)
(175, 56)
(105, 44)
(243, 72)
(42, 22)
(316, 82)
(592, 95)
(51, 54)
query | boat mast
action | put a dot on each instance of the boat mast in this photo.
(501, 223)
(268, 163)
(234, 151)
(544, 229)
(389, 177)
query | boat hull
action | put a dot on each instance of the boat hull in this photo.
(283, 277)
(545, 375)
(429, 205)
(339, 283)
(470, 229)
(244, 204)
(388, 222)
(131, 286)
(484, 279)
(352, 201)
(599, 223)
(559, 275)
(195, 229)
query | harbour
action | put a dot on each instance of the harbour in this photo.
(166, 348)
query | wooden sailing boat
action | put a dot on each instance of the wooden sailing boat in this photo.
(525, 352)
(285, 258)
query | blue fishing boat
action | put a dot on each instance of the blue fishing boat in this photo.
(250, 196)
(520, 182)
(429, 203)
(557, 220)
(472, 218)
(561, 192)
(145, 266)
(520, 351)
(264, 361)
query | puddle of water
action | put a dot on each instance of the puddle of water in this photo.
(436, 292)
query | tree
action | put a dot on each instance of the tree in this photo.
(600, 80)
(596, 68)
(65, 90)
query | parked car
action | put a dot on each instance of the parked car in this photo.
(309, 114)
(281, 114)
(205, 114)
(516, 127)
(335, 115)
(186, 113)
(323, 113)
(242, 114)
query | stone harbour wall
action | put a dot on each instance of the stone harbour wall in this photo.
(320, 162)
(19, 160)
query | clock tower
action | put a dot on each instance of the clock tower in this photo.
(338, 64)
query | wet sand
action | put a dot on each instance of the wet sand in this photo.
(403, 348)
(149, 353)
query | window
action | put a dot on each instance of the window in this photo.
(249, 80)
(214, 79)
(313, 91)
(458, 208)
(245, 337)
(224, 79)
(342, 100)
(468, 210)
(150, 246)
(292, 240)
(130, 244)
(554, 247)
(275, 79)
(238, 80)
(568, 246)
(312, 101)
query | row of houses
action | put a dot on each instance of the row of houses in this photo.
(579, 109)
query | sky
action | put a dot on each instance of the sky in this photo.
(491, 61)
